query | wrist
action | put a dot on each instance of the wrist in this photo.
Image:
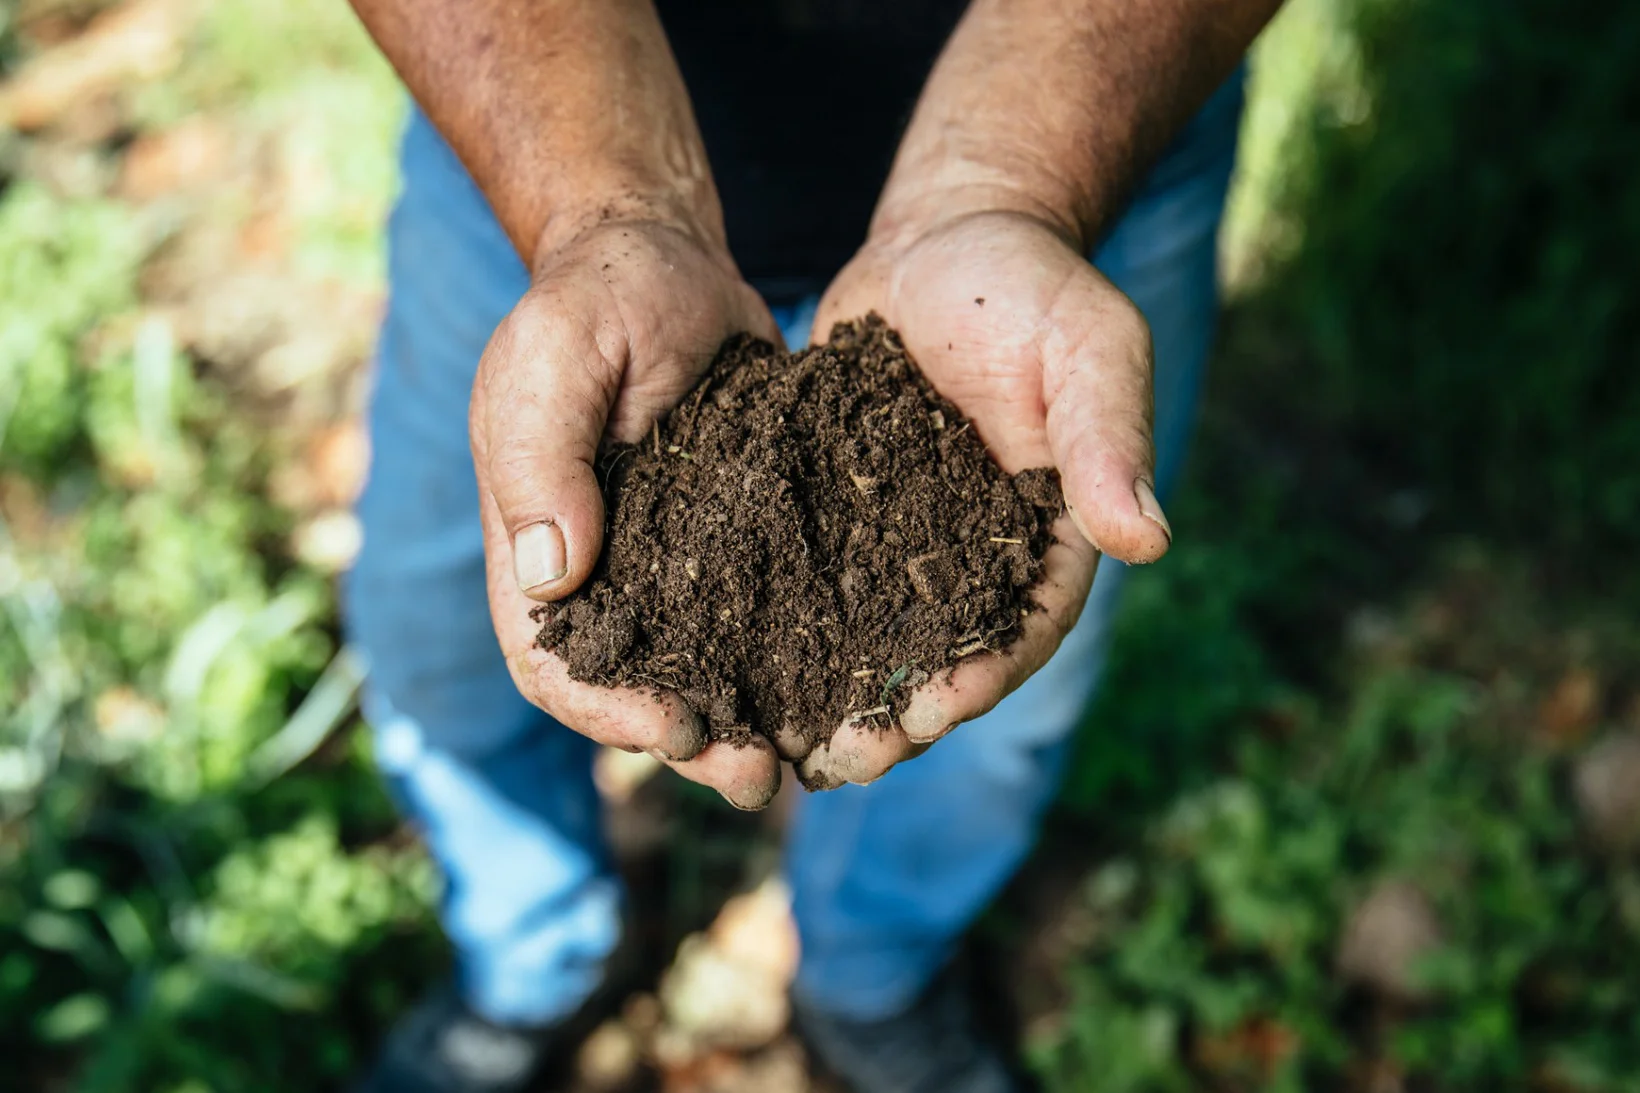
(911, 209)
(656, 174)
(687, 212)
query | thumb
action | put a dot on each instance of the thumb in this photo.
(859, 287)
(544, 392)
(1096, 368)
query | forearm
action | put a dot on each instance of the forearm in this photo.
(1055, 107)
(566, 112)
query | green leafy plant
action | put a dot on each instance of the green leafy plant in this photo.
(1326, 692)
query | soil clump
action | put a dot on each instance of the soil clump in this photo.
(803, 540)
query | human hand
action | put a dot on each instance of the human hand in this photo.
(1052, 363)
(619, 322)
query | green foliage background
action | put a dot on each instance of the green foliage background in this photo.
(1411, 513)
(171, 919)
(1413, 510)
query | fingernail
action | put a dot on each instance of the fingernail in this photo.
(863, 765)
(932, 733)
(921, 721)
(792, 744)
(1150, 508)
(754, 799)
(926, 725)
(538, 556)
(687, 738)
(813, 771)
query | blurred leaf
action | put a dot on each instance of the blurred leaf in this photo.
(71, 889)
(198, 649)
(321, 713)
(73, 1018)
(126, 928)
(61, 933)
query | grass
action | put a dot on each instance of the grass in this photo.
(168, 921)
(1399, 613)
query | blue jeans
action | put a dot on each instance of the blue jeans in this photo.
(885, 877)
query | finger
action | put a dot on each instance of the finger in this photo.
(856, 290)
(655, 721)
(859, 751)
(631, 718)
(1096, 374)
(544, 392)
(979, 682)
(746, 773)
(792, 743)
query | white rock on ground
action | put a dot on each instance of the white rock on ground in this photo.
(727, 987)
(1606, 781)
(1384, 938)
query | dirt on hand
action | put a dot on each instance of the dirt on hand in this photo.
(804, 540)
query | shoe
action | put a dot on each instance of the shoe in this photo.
(933, 1047)
(442, 1046)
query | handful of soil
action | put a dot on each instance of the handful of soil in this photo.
(805, 539)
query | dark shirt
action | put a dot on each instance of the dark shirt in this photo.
(801, 104)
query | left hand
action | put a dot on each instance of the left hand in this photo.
(1052, 363)
(620, 320)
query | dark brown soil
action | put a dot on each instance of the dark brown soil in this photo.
(804, 539)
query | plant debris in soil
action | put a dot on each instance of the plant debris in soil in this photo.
(803, 541)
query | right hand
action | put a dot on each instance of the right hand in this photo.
(1052, 364)
(619, 322)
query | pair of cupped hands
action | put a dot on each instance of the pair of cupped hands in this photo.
(1000, 308)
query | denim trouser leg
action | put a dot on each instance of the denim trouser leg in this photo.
(884, 877)
(503, 794)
